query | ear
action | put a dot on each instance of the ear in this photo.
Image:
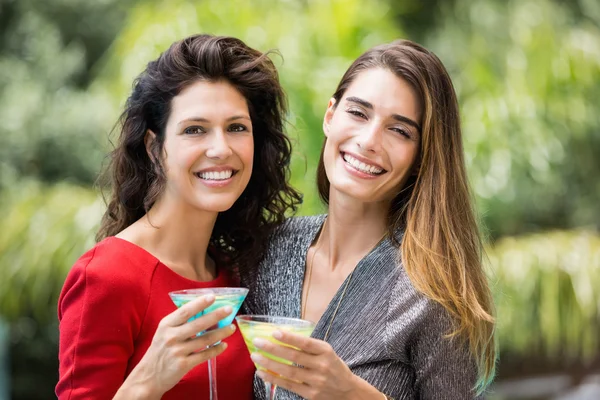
(328, 116)
(149, 139)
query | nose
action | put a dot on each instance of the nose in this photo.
(370, 138)
(219, 146)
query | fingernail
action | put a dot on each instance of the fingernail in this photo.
(228, 309)
(258, 342)
(209, 297)
(256, 357)
(232, 327)
(261, 374)
(277, 335)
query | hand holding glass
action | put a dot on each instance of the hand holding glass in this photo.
(233, 297)
(263, 326)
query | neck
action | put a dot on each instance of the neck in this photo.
(179, 236)
(352, 229)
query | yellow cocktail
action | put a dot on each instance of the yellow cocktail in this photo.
(263, 326)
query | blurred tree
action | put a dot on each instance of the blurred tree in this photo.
(52, 126)
(528, 78)
(548, 302)
(419, 17)
(45, 229)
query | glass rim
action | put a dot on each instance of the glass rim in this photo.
(270, 319)
(214, 291)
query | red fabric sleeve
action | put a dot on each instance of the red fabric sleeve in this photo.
(100, 309)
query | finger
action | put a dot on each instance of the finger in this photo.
(290, 372)
(208, 339)
(188, 310)
(298, 357)
(301, 389)
(205, 322)
(205, 355)
(306, 344)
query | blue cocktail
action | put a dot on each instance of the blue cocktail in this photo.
(233, 297)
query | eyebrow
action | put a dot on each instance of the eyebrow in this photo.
(200, 119)
(397, 117)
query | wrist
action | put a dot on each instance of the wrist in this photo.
(139, 386)
(135, 391)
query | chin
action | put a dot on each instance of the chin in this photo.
(215, 209)
(221, 209)
(214, 205)
(355, 192)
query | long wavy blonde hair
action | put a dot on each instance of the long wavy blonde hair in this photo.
(441, 248)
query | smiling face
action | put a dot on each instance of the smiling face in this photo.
(209, 148)
(373, 137)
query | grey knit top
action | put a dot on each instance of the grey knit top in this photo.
(385, 331)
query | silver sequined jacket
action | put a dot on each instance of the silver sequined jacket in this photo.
(387, 333)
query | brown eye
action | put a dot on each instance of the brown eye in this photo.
(194, 130)
(357, 113)
(237, 128)
(401, 131)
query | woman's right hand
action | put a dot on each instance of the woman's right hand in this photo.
(175, 349)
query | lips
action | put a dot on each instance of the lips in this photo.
(362, 165)
(216, 174)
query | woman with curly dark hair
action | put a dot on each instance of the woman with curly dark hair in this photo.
(199, 181)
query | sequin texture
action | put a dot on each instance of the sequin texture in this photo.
(385, 331)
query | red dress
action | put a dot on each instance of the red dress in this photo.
(109, 308)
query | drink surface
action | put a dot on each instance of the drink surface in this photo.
(233, 300)
(263, 330)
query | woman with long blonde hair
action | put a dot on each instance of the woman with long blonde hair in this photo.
(393, 274)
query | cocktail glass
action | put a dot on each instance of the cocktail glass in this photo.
(224, 296)
(263, 326)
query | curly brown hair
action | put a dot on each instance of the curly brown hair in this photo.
(240, 233)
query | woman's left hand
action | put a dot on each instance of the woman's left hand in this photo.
(322, 375)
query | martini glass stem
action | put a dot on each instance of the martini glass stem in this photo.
(212, 377)
(270, 390)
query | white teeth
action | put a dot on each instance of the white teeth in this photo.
(215, 176)
(361, 166)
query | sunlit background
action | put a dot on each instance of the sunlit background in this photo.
(527, 73)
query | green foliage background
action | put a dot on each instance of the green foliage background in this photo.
(527, 74)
